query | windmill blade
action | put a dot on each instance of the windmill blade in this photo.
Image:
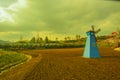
(98, 31)
(92, 28)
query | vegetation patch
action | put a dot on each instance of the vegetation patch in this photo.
(10, 59)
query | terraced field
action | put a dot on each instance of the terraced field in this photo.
(66, 64)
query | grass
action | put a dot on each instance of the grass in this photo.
(9, 59)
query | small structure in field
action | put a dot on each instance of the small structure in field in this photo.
(91, 49)
(114, 39)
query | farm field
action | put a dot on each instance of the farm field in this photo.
(66, 64)
(8, 59)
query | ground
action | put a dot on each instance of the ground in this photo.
(66, 64)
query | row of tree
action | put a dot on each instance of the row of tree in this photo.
(39, 39)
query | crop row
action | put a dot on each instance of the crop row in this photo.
(9, 59)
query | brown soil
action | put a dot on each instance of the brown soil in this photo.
(66, 64)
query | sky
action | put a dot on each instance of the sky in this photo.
(57, 18)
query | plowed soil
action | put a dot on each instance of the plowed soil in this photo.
(66, 64)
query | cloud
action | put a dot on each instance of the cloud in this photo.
(111, 23)
(6, 3)
(64, 17)
(8, 9)
(17, 5)
(5, 16)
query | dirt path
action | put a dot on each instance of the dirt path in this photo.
(68, 64)
(19, 72)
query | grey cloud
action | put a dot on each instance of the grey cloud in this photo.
(6, 3)
(63, 16)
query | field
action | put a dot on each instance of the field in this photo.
(9, 59)
(66, 64)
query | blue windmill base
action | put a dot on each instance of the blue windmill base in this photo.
(91, 49)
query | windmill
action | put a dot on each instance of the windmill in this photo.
(91, 49)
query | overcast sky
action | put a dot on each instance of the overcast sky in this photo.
(55, 18)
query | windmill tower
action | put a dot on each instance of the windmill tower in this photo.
(91, 49)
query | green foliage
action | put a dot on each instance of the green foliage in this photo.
(8, 59)
(101, 37)
(46, 39)
(32, 40)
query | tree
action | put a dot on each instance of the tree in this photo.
(65, 38)
(46, 39)
(32, 40)
(56, 39)
(78, 37)
(41, 40)
(68, 38)
(37, 38)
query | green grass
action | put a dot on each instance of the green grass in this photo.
(9, 59)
